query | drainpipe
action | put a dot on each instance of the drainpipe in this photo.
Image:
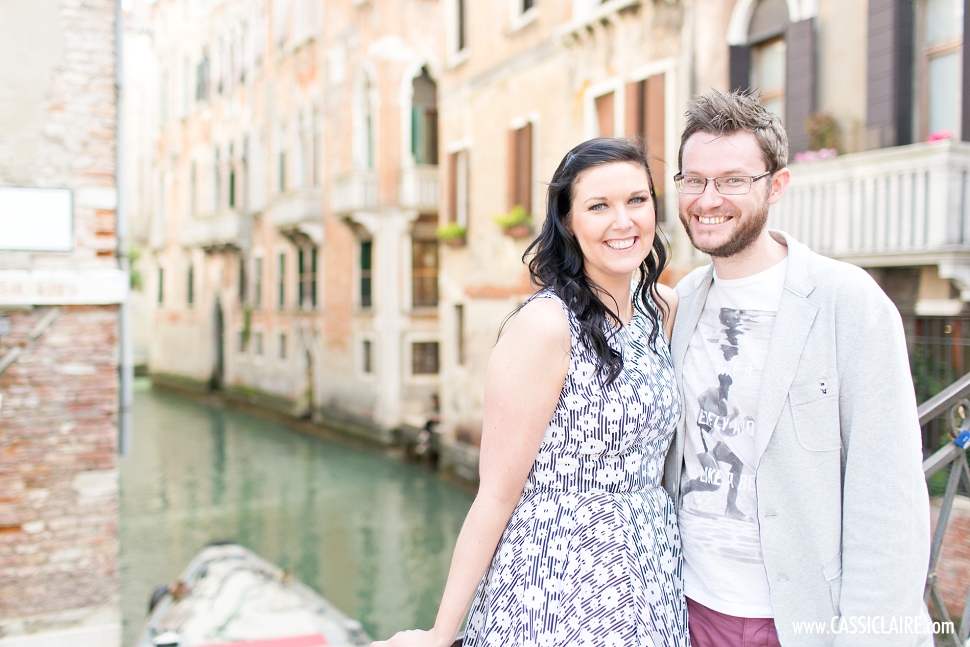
(126, 373)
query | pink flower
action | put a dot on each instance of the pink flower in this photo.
(939, 135)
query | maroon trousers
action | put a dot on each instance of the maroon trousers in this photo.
(709, 628)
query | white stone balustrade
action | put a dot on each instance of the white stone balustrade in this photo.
(221, 229)
(353, 192)
(900, 206)
(301, 210)
(420, 188)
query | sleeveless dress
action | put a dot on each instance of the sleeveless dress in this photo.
(591, 555)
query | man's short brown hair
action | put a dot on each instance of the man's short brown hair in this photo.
(722, 114)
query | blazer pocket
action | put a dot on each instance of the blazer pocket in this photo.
(815, 412)
(833, 574)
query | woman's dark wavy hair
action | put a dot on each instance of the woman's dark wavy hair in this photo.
(557, 260)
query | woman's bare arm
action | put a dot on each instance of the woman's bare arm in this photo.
(523, 382)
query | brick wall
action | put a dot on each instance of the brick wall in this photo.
(58, 479)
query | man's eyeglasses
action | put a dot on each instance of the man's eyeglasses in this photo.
(727, 185)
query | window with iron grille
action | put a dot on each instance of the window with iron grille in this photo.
(424, 358)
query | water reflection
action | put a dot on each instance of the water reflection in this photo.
(372, 534)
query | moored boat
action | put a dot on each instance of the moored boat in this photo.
(229, 596)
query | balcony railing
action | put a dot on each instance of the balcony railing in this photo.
(220, 230)
(300, 211)
(420, 188)
(950, 403)
(355, 191)
(907, 205)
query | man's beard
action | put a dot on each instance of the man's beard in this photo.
(745, 232)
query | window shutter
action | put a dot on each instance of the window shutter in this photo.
(604, 114)
(633, 115)
(523, 177)
(739, 65)
(800, 82)
(654, 119)
(452, 199)
(889, 91)
(513, 168)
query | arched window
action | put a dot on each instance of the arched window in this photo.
(424, 119)
(766, 38)
(775, 59)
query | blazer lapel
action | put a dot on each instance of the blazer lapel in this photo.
(794, 320)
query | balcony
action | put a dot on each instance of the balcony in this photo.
(420, 189)
(299, 214)
(353, 192)
(218, 231)
(902, 206)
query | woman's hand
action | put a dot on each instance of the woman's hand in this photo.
(414, 638)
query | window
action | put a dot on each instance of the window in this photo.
(645, 117)
(424, 119)
(768, 74)
(193, 189)
(520, 167)
(460, 334)
(258, 283)
(161, 286)
(941, 42)
(424, 358)
(258, 343)
(241, 342)
(202, 79)
(190, 288)
(216, 182)
(364, 126)
(281, 169)
(366, 269)
(605, 111)
(527, 4)
(424, 273)
(457, 206)
(282, 345)
(307, 279)
(461, 35)
(366, 353)
(281, 303)
(232, 179)
(242, 280)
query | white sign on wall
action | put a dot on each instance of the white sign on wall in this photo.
(39, 220)
(63, 287)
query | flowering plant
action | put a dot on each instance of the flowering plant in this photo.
(811, 156)
(939, 135)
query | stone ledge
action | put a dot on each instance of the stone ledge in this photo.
(459, 458)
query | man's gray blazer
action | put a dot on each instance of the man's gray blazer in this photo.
(842, 502)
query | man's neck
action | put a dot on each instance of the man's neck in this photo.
(764, 253)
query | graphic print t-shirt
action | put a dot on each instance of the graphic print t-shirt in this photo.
(723, 566)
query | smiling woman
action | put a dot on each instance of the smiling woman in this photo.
(579, 405)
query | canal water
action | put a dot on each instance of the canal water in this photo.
(371, 533)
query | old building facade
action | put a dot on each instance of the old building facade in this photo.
(293, 254)
(60, 290)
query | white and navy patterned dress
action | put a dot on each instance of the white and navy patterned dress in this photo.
(591, 555)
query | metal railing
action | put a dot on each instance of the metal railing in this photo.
(951, 402)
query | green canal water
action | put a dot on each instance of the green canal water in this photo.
(371, 533)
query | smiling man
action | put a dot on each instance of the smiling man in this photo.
(796, 470)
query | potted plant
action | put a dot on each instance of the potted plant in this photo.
(516, 223)
(452, 234)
